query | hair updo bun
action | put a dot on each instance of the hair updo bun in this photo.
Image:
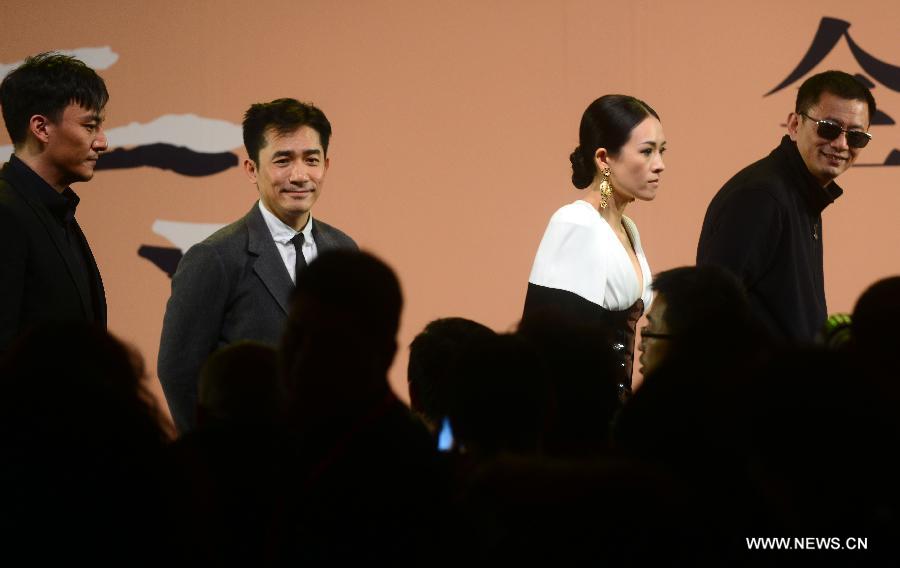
(606, 123)
(583, 171)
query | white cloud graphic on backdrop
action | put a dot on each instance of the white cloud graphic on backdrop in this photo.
(186, 144)
(186, 130)
(204, 135)
(184, 235)
(95, 57)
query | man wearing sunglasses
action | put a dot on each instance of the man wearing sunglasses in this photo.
(765, 224)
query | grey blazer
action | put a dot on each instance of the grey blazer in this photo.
(230, 287)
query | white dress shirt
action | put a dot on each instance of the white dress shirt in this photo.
(282, 235)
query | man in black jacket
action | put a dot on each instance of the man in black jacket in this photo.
(765, 224)
(53, 109)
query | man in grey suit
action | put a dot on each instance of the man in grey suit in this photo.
(237, 283)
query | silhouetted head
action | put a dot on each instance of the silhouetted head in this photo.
(876, 321)
(501, 399)
(695, 307)
(340, 337)
(83, 445)
(433, 364)
(78, 380)
(239, 386)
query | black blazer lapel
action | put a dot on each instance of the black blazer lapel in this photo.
(98, 292)
(62, 248)
(269, 265)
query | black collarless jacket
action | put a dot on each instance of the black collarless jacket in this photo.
(41, 279)
(765, 225)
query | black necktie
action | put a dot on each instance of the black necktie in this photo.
(300, 263)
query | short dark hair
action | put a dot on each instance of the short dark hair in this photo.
(875, 316)
(46, 84)
(357, 283)
(239, 385)
(501, 399)
(837, 83)
(696, 296)
(433, 358)
(341, 328)
(284, 116)
(606, 123)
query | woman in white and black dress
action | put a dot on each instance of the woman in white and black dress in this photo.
(590, 266)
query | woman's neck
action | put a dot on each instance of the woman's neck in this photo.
(615, 204)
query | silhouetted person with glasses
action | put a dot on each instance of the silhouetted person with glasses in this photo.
(700, 346)
(765, 224)
(698, 312)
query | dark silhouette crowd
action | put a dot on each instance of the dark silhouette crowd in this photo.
(518, 448)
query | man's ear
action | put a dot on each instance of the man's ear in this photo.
(250, 170)
(793, 125)
(40, 127)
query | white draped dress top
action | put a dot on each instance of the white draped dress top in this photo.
(580, 253)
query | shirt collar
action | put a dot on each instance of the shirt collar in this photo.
(61, 205)
(282, 232)
(816, 196)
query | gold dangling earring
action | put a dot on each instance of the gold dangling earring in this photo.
(605, 188)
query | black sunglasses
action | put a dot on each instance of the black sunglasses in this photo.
(830, 130)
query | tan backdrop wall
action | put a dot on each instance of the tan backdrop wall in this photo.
(453, 122)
